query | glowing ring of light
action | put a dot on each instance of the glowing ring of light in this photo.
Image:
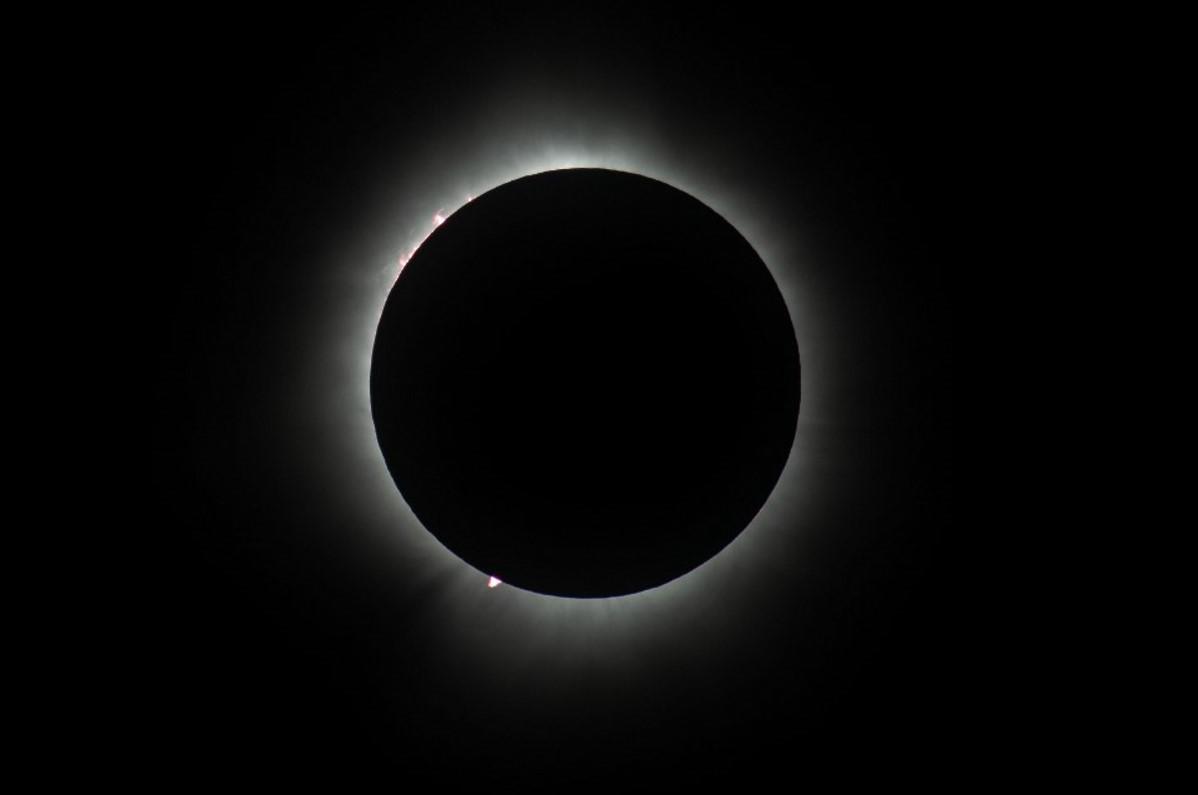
(482, 619)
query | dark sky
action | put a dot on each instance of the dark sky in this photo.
(281, 641)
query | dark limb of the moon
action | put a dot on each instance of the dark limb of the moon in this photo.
(585, 383)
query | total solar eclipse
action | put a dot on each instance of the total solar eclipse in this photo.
(585, 383)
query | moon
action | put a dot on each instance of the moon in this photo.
(585, 383)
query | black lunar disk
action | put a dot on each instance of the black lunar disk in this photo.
(585, 383)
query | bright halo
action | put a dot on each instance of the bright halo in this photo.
(427, 189)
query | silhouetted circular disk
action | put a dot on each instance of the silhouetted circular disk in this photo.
(585, 383)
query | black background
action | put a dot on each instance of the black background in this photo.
(264, 643)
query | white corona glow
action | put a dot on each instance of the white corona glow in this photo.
(491, 583)
(438, 219)
(434, 183)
